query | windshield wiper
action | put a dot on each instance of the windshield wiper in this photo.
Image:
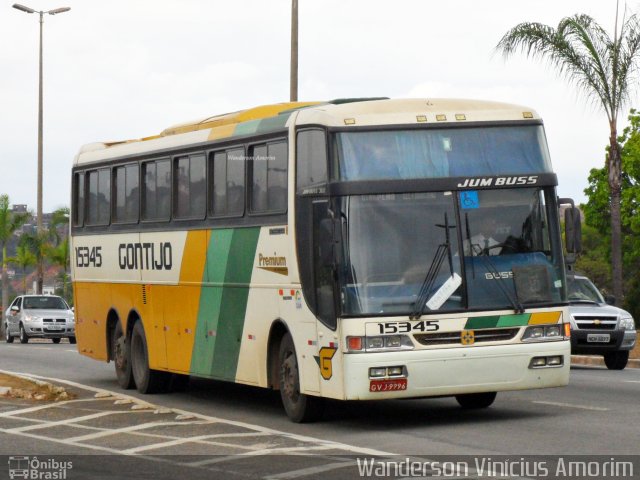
(489, 265)
(444, 249)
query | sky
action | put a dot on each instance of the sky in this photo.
(128, 69)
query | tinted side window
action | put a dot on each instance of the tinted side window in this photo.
(227, 171)
(311, 158)
(190, 186)
(126, 186)
(269, 178)
(78, 199)
(157, 190)
(99, 197)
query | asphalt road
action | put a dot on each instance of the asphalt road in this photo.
(597, 414)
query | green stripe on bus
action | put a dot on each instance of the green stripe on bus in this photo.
(234, 302)
(482, 322)
(514, 320)
(228, 269)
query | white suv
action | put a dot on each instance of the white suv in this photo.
(43, 316)
(598, 328)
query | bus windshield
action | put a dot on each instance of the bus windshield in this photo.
(499, 256)
(438, 153)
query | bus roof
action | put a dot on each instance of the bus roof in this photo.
(335, 113)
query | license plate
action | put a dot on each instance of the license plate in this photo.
(394, 385)
(598, 338)
(54, 327)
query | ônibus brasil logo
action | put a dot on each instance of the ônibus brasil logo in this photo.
(37, 469)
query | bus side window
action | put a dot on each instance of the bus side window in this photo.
(311, 158)
(126, 186)
(99, 197)
(227, 183)
(189, 188)
(156, 193)
(269, 178)
(78, 199)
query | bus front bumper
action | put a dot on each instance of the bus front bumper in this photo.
(453, 371)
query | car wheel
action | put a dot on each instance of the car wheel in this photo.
(146, 379)
(121, 355)
(300, 408)
(55, 340)
(24, 338)
(72, 340)
(616, 360)
(474, 401)
(7, 336)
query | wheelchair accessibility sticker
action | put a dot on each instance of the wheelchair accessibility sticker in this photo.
(469, 199)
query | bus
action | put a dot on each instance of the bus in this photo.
(353, 249)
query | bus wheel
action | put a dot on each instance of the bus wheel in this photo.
(121, 355)
(300, 408)
(616, 360)
(147, 380)
(473, 401)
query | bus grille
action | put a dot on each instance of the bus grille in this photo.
(485, 335)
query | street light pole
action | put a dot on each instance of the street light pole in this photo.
(55, 11)
(293, 86)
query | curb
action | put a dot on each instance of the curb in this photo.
(598, 361)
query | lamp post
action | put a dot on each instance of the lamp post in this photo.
(55, 11)
(293, 81)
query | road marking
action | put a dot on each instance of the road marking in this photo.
(632, 381)
(44, 407)
(63, 422)
(571, 405)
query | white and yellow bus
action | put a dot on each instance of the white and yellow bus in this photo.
(353, 249)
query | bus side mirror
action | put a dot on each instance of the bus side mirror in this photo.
(573, 230)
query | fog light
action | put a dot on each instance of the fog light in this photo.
(395, 371)
(537, 362)
(554, 361)
(377, 372)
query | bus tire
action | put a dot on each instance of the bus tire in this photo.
(121, 355)
(616, 360)
(475, 401)
(146, 379)
(300, 408)
(24, 338)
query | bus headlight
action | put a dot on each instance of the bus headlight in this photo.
(379, 343)
(543, 333)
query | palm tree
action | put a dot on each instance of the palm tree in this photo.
(59, 255)
(9, 223)
(37, 244)
(59, 217)
(24, 258)
(604, 69)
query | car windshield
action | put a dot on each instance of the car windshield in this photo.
(44, 303)
(582, 290)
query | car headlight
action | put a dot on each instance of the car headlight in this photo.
(627, 323)
(31, 318)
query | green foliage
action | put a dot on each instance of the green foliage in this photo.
(597, 218)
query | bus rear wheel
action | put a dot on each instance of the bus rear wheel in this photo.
(300, 408)
(474, 401)
(121, 355)
(147, 380)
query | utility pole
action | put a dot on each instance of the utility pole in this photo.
(293, 95)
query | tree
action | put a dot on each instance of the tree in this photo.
(37, 244)
(601, 67)
(597, 210)
(10, 222)
(24, 258)
(59, 255)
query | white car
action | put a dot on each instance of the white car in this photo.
(42, 316)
